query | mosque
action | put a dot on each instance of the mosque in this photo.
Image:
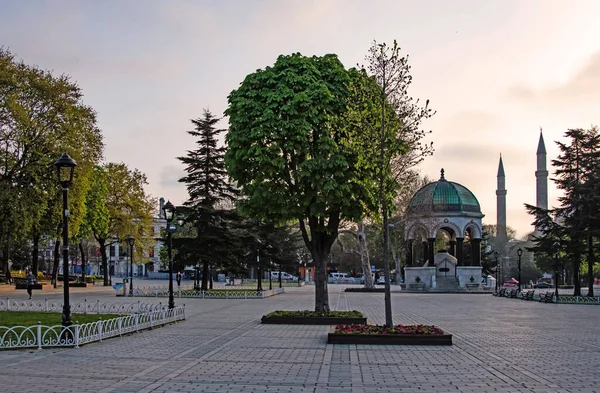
(452, 210)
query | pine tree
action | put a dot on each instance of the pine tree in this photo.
(207, 185)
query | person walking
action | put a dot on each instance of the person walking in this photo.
(178, 278)
(30, 283)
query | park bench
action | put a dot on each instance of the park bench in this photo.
(528, 295)
(547, 297)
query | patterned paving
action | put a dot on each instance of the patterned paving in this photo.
(500, 345)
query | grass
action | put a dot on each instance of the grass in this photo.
(309, 313)
(29, 318)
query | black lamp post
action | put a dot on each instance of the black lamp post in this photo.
(130, 241)
(65, 166)
(197, 277)
(496, 255)
(556, 246)
(259, 284)
(169, 211)
(519, 253)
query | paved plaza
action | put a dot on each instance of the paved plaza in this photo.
(500, 345)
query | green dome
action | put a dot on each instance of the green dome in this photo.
(444, 196)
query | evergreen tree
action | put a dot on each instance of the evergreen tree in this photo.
(575, 224)
(208, 188)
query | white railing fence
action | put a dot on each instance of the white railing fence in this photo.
(85, 307)
(39, 336)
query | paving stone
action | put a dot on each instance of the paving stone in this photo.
(500, 345)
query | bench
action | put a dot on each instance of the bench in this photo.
(528, 295)
(547, 297)
(512, 293)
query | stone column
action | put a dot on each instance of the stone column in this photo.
(425, 251)
(452, 249)
(459, 251)
(409, 252)
(476, 252)
(431, 247)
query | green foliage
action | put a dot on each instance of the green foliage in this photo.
(421, 330)
(29, 318)
(41, 116)
(310, 313)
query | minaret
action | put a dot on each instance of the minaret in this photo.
(501, 236)
(541, 175)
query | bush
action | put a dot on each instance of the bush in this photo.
(309, 313)
(424, 330)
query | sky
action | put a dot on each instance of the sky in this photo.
(495, 72)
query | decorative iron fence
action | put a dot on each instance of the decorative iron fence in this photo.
(39, 336)
(210, 294)
(93, 307)
(569, 299)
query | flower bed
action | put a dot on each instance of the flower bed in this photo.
(307, 317)
(396, 335)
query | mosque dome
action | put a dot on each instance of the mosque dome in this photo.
(444, 196)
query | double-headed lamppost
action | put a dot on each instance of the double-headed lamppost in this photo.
(556, 247)
(130, 241)
(169, 212)
(496, 255)
(65, 166)
(519, 253)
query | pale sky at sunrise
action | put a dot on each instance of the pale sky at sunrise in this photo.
(495, 71)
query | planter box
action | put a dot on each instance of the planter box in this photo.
(313, 320)
(388, 339)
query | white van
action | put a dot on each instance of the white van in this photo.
(284, 276)
(340, 278)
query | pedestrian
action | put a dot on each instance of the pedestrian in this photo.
(30, 282)
(178, 278)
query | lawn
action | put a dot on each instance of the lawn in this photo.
(29, 318)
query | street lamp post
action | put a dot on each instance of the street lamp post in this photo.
(197, 277)
(496, 255)
(279, 275)
(130, 241)
(259, 284)
(556, 246)
(65, 166)
(169, 211)
(519, 253)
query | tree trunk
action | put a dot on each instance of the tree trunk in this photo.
(104, 257)
(83, 261)
(204, 285)
(576, 280)
(319, 244)
(365, 260)
(591, 260)
(56, 262)
(210, 278)
(35, 253)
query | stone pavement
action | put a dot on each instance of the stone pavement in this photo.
(500, 345)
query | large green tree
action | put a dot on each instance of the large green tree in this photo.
(293, 152)
(41, 116)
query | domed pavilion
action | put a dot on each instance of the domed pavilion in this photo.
(443, 206)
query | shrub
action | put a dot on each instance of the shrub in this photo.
(309, 313)
(424, 330)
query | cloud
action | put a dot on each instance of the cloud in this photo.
(582, 88)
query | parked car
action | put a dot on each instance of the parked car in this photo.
(542, 285)
(284, 276)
